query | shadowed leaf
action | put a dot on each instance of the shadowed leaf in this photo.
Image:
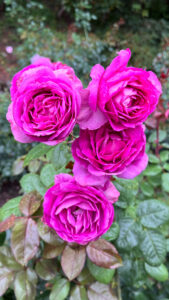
(85, 277)
(24, 240)
(46, 269)
(104, 254)
(100, 291)
(72, 261)
(51, 251)
(30, 203)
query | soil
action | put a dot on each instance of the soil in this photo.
(8, 191)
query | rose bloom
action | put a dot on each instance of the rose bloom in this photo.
(123, 96)
(45, 102)
(104, 152)
(78, 213)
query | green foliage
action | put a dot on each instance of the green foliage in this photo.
(137, 241)
(159, 273)
(9, 208)
(100, 274)
(60, 290)
(9, 148)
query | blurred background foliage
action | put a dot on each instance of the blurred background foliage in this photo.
(81, 34)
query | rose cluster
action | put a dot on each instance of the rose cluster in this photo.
(48, 99)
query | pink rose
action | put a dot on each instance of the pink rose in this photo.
(45, 102)
(78, 213)
(123, 96)
(104, 152)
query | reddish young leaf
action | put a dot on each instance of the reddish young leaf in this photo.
(100, 291)
(104, 254)
(30, 203)
(72, 261)
(7, 223)
(24, 240)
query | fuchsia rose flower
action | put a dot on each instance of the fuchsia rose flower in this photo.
(104, 152)
(78, 213)
(45, 102)
(123, 96)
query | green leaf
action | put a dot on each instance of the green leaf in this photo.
(85, 277)
(164, 155)
(7, 223)
(24, 240)
(7, 259)
(159, 273)
(25, 285)
(153, 213)
(129, 233)
(9, 208)
(60, 290)
(36, 152)
(153, 158)
(153, 247)
(47, 175)
(165, 182)
(152, 170)
(103, 254)
(30, 203)
(73, 260)
(128, 190)
(60, 156)
(31, 182)
(112, 233)
(78, 293)
(153, 137)
(166, 166)
(100, 291)
(6, 279)
(155, 181)
(46, 269)
(100, 274)
(165, 145)
(147, 189)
